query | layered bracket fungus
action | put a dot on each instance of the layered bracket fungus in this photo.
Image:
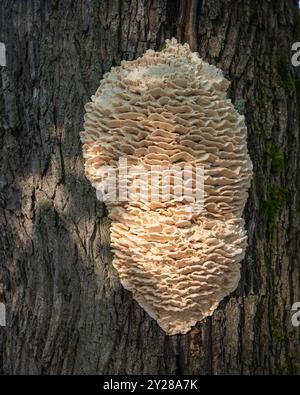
(179, 258)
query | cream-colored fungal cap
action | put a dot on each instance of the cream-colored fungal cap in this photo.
(169, 108)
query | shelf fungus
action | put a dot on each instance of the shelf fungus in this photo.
(168, 110)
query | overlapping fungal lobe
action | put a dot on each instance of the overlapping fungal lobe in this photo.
(168, 108)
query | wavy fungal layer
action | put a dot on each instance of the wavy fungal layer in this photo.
(170, 108)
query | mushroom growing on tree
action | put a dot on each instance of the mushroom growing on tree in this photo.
(169, 108)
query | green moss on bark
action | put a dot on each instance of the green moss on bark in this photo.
(285, 77)
(275, 156)
(275, 199)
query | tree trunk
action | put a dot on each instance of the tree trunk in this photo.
(66, 310)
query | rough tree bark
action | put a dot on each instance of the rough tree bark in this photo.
(66, 310)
